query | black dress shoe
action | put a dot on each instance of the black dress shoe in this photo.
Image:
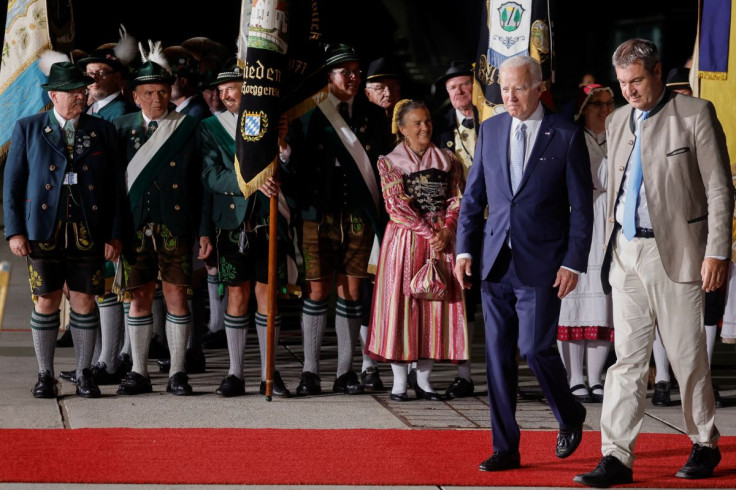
(103, 377)
(596, 397)
(661, 397)
(86, 386)
(399, 397)
(46, 386)
(585, 398)
(701, 463)
(70, 376)
(214, 340)
(134, 384)
(348, 383)
(164, 364)
(460, 388)
(568, 441)
(66, 339)
(610, 471)
(278, 388)
(501, 461)
(231, 386)
(427, 395)
(371, 380)
(309, 384)
(179, 385)
(196, 362)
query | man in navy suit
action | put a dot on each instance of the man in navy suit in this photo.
(531, 170)
(63, 203)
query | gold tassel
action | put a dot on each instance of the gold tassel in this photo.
(713, 75)
(249, 188)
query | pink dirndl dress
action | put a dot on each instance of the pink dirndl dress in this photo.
(421, 195)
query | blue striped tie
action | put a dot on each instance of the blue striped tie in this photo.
(633, 184)
(516, 164)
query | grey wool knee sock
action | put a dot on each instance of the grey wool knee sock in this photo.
(111, 331)
(84, 334)
(347, 326)
(141, 330)
(236, 331)
(178, 329)
(262, 330)
(45, 329)
(314, 324)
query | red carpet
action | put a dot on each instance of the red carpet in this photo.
(336, 457)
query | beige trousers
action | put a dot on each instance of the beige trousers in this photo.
(644, 298)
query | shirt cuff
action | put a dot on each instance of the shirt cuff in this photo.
(463, 256)
(715, 257)
(571, 270)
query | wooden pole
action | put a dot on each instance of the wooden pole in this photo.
(273, 233)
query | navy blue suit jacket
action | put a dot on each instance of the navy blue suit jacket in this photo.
(34, 174)
(549, 219)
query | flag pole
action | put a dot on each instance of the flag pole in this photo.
(272, 278)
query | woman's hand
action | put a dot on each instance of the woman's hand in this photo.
(441, 240)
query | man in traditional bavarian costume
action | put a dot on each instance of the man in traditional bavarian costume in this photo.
(62, 200)
(242, 235)
(458, 131)
(164, 189)
(107, 66)
(341, 207)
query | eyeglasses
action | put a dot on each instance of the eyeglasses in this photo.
(344, 72)
(98, 74)
(599, 104)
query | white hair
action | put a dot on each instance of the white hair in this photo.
(532, 66)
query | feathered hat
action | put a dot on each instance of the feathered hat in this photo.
(63, 75)
(117, 55)
(155, 68)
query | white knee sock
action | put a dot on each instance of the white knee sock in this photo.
(424, 369)
(597, 353)
(400, 378)
(178, 329)
(218, 304)
(141, 331)
(710, 336)
(367, 361)
(572, 353)
(125, 349)
(660, 360)
(111, 330)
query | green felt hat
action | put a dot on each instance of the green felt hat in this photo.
(152, 72)
(65, 76)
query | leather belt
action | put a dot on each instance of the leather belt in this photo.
(644, 233)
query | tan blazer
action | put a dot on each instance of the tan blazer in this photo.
(687, 180)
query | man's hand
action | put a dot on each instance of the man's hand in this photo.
(270, 188)
(462, 272)
(205, 247)
(567, 280)
(19, 245)
(440, 241)
(714, 272)
(112, 250)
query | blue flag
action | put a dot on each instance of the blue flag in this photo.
(26, 36)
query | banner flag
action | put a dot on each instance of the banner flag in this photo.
(715, 25)
(507, 29)
(282, 60)
(26, 36)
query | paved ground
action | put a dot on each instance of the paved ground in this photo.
(19, 410)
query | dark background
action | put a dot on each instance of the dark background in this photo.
(423, 35)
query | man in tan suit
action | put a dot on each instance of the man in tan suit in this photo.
(670, 202)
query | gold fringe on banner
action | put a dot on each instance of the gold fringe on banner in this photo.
(249, 188)
(713, 75)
